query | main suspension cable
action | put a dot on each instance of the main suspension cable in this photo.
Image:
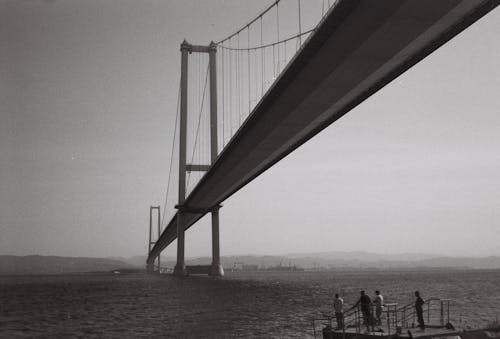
(251, 22)
(270, 44)
(171, 158)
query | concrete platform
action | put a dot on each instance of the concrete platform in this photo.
(431, 332)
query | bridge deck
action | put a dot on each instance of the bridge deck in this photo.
(358, 48)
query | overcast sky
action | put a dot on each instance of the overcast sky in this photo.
(88, 94)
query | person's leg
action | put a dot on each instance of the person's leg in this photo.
(339, 319)
(420, 316)
(367, 316)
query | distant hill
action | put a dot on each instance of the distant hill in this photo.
(465, 262)
(138, 261)
(36, 264)
(364, 256)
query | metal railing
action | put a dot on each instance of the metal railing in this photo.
(436, 313)
(436, 310)
(351, 318)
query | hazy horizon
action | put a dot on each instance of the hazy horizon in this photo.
(88, 91)
(298, 254)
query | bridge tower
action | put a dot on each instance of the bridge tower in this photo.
(186, 49)
(150, 267)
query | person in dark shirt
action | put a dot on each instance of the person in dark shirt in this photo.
(365, 304)
(419, 309)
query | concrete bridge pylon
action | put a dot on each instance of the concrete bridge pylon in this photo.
(150, 266)
(186, 49)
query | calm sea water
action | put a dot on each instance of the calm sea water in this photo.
(252, 305)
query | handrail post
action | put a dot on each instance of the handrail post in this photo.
(396, 316)
(388, 321)
(448, 311)
(414, 315)
(429, 311)
(442, 313)
(358, 317)
(343, 326)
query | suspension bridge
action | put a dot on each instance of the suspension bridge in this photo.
(248, 100)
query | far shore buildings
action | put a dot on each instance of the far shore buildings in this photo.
(238, 266)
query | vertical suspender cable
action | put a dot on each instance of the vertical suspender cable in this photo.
(274, 63)
(286, 61)
(192, 99)
(256, 75)
(248, 59)
(207, 119)
(262, 58)
(197, 145)
(201, 138)
(278, 34)
(238, 80)
(300, 25)
(200, 147)
(222, 95)
(207, 129)
(230, 91)
(203, 141)
(171, 157)
(219, 99)
(198, 105)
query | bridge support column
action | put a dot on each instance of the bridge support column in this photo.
(150, 267)
(180, 267)
(216, 270)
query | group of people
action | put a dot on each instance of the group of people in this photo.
(366, 304)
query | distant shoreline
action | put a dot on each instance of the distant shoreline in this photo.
(328, 261)
(360, 271)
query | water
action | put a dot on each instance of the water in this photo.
(244, 304)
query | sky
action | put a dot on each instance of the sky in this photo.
(88, 94)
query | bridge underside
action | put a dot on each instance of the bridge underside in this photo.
(357, 49)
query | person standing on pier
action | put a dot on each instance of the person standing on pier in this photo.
(365, 304)
(378, 301)
(338, 306)
(419, 309)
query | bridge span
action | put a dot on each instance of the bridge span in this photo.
(356, 49)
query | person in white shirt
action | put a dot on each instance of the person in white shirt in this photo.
(338, 306)
(378, 301)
